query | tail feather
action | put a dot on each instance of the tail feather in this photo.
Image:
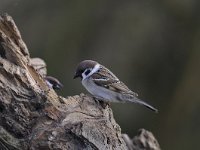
(138, 101)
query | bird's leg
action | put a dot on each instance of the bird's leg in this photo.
(104, 103)
(101, 101)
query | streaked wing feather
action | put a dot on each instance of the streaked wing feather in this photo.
(107, 79)
(122, 88)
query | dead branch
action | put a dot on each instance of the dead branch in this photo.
(33, 116)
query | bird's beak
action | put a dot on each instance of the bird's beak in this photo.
(59, 86)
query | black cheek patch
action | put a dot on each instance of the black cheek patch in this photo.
(87, 72)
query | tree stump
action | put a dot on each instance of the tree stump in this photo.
(33, 116)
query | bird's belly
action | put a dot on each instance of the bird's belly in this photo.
(99, 92)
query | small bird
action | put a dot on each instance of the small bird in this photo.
(53, 82)
(104, 85)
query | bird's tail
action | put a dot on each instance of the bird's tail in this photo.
(138, 101)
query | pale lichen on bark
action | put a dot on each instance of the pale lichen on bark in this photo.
(33, 116)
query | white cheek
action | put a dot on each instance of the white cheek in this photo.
(83, 75)
(97, 66)
(49, 84)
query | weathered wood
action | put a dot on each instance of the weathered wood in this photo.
(33, 116)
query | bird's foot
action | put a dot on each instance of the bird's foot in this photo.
(102, 102)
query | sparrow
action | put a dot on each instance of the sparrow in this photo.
(53, 82)
(104, 85)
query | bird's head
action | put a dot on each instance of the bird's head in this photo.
(86, 68)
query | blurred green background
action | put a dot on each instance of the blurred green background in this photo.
(153, 46)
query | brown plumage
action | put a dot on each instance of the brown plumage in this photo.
(111, 81)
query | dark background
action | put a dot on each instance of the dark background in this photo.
(153, 46)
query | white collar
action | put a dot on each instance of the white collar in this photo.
(95, 69)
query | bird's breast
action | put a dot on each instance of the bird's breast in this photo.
(99, 91)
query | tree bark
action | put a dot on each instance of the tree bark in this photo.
(33, 116)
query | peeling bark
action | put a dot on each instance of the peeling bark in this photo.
(33, 116)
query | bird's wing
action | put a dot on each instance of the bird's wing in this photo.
(105, 78)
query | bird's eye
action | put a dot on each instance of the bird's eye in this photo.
(87, 72)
